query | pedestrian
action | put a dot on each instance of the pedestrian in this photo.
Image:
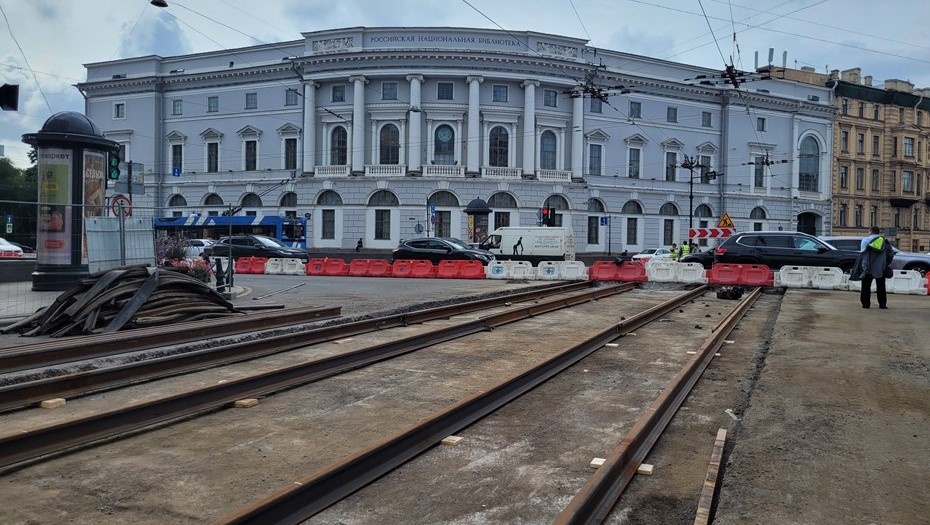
(874, 263)
(684, 250)
(358, 246)
(674, 252)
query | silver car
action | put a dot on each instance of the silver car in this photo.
(901, 261)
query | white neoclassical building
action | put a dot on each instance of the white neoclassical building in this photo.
(389, 133)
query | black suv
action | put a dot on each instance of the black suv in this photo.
(254, 246)
(779, 248)
(437, 249)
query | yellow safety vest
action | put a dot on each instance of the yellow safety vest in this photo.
(877, 243)
(685, 250)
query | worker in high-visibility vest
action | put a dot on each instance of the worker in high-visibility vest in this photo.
(684, 250)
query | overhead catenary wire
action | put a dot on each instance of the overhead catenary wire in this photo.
(25, 59)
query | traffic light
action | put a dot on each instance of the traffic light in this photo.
(548, 216)
(113, 162)
(9, 97)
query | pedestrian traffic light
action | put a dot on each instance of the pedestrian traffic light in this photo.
(113, 162)
(548, 216)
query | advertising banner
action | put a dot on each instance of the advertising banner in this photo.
(94, 189)
(54, 232)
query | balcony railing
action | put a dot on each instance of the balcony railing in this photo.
(492, 172)
(443, 171)
(331, 171)
(385, 170)
(554, 175)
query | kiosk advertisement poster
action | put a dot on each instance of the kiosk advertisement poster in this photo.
(54, 235)
(94, 188)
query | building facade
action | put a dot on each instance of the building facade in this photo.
(388, 133)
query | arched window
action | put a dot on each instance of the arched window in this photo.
(547, 155)
(632, 208)
(212, 199)
(757, 213)
(502, 200)
(443, 198)
(339, 147)
(177, 201)
(668, 208)
(596, 206)
(251, 200)
(289, 199)
(383, 198)
(809, 175)
(498, 153)
(556, 201)
(703, 211)
(390, 145)
(444, 142)
(329, 198)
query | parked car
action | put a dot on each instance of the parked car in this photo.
(902, 260)
(8, 249)
(705, 258)
(437, 249)
(195, 247)
(26, 249)
(652, 252)
(254, 246)
(782, 248)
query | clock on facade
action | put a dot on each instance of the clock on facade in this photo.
(444, 134)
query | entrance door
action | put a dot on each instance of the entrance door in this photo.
(807, 223)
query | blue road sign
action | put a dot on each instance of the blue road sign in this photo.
(175, 172)
(9, 218)
(432, 209)
(604, 221)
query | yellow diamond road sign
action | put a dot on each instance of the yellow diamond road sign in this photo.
(725, 221)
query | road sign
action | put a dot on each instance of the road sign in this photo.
(121, 204)
(175, 171)
(9, 218)
(710, 233)
(604, 221)
(9, 227)
(725, 221)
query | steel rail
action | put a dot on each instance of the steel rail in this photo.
(598, 496)
(298, 501)
(59, 351)
(24, 394)
(108, 425)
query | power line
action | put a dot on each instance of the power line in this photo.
(26, 60)
(585, 29)
(716, 43)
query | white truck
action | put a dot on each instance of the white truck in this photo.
(531, 243)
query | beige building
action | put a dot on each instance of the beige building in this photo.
(881, 143)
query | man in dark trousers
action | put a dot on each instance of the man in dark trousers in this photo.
(874, 263)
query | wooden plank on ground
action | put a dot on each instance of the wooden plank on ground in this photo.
(710, 480)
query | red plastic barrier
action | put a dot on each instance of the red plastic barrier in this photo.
(449, 269)
(757, 275)
(603, 271)
(358, 267)
(472, 270)
(423, 269)
(316, 266)
(258, 265)
(402, 268)
(632, 272)
(379, 268)
(726, 274)
(244, 265)
(335, 267)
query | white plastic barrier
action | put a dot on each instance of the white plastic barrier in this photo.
(794, 276)
(274, 266)
(293, 266)
(692, 272)
(549, 270)
(829, 279)
(907, 282)
(662, 270)
(497, 270)
(856, 286)
(522, 270)
(574, 271)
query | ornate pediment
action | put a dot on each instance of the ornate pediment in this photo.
(211, 134)
(249, 131)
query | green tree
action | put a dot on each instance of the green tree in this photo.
(18, 196)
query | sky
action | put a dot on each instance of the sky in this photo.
(44, 43)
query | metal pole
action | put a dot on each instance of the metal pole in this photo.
(690, 201)
(122, 235)
(231, 262)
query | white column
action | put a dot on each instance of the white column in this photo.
(457, 152)
(474, 146)
(358, 124)
(309, 158)
(414, 146)
(578, 136)
(529, 127)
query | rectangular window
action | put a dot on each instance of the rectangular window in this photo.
(498, 93)
(631, 230)
(875, 111)
(177, 156)
(844, 141)
(594, 229)
(338, 93)
(897, 217)
(900, 115)
(844, 108)
(858, 216)
(862, 110)
(389, 91)
(636, 110)
(894, 146)
(907, 181)
(844, 177)
(894, 180)
(759, 175)
(444, 91)
(671, 166)
(920, 118)
(860, 178)
(251, 100)
(757, 226)
(290, 97)
(760, 124)
(594, 159)
(329, 224)
(873, 216)
(550, 98)
(668, 231)
(596, 105)
(671, 114)
(501, 219)
(705, 169)
(119, 110)
(290, 154)
(213, 157)
(706, 119)
(251, 155)
(177, 107)
(908, 146)
(634, 156)
(213, 104)
(860, 143)
(875, 147)
(382, 225)
(876, 180)
(843, 215)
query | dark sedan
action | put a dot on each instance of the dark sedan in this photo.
(781, 248)
(254, 246)
(437, 249)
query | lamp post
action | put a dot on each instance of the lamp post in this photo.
(689, 163)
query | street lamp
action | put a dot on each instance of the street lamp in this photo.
(690, 164)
